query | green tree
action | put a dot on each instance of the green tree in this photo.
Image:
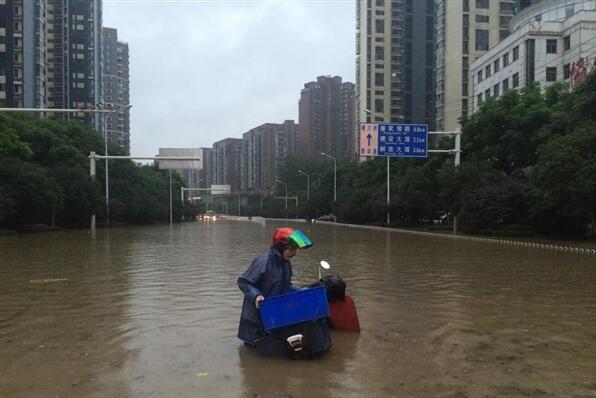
(44, 177)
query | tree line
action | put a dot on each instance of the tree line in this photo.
(45, 177)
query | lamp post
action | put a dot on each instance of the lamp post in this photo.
(111, 111)
(286, 196)
(307, 184)
(334, 181)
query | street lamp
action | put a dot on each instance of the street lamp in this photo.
(307, 184)
(105, 113)
(334, 180)
(286, 197)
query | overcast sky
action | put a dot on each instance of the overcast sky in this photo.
(205, 70)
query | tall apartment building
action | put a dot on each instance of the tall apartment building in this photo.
(73, 61)
(116, 88)
(395, 61)
(465, 30)
(264, 151)
(327, 118)
(22, 53)
(51, 56)
(225, 163)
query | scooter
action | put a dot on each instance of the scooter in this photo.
(342, 310)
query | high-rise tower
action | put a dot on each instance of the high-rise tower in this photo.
(22, 54)
(326, 118)
(465, 30)
(395, 61)
(116, 89)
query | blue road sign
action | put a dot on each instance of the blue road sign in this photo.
(403, 140)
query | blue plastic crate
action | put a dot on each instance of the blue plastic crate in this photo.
(295, 307)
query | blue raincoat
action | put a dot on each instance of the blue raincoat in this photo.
(269, 275)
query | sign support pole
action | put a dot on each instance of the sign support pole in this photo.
(171, 221)
(457, 160)
(388, 195)
(92, 172)
(415, 144)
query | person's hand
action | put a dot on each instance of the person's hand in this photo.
(257, 299)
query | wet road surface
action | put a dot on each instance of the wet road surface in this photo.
(153, 312)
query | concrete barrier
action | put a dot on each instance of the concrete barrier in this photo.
(476, 238)
(298, 220)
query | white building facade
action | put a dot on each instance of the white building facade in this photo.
(465, 31)
(552, 41)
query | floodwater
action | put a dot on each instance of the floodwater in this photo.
(153, 312)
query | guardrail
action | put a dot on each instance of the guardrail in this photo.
(477, 238)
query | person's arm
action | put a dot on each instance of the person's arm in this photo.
(248, 281)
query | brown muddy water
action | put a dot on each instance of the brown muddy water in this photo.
(153, 312)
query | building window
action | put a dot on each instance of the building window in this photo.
(379, 106)
(551, 46)
(497, 65)
(506, 8)
(479, 78)
(515, 53)
(380, 25)
(481, 18)
(481, 40)
(487, 71)
(379, 53)
(496, 90)
(566, 43)
(479, 99)
(503, 34)
(569, 10)
(551, 74)
(487, 93)
(505, 60)
(380, 3)
(530, 56)
(482, 4)
(515, 80)
(504, 21)
(379, 79)
(505, 85)
(466, 5)
(566, 72)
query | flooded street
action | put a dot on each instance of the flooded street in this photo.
(153, 312)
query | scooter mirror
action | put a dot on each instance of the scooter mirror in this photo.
(325, 264)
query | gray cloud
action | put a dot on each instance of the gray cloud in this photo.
(202, 71)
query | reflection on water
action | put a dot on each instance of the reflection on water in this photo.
(152, 312)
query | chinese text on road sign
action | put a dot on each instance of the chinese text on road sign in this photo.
(394, 140)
